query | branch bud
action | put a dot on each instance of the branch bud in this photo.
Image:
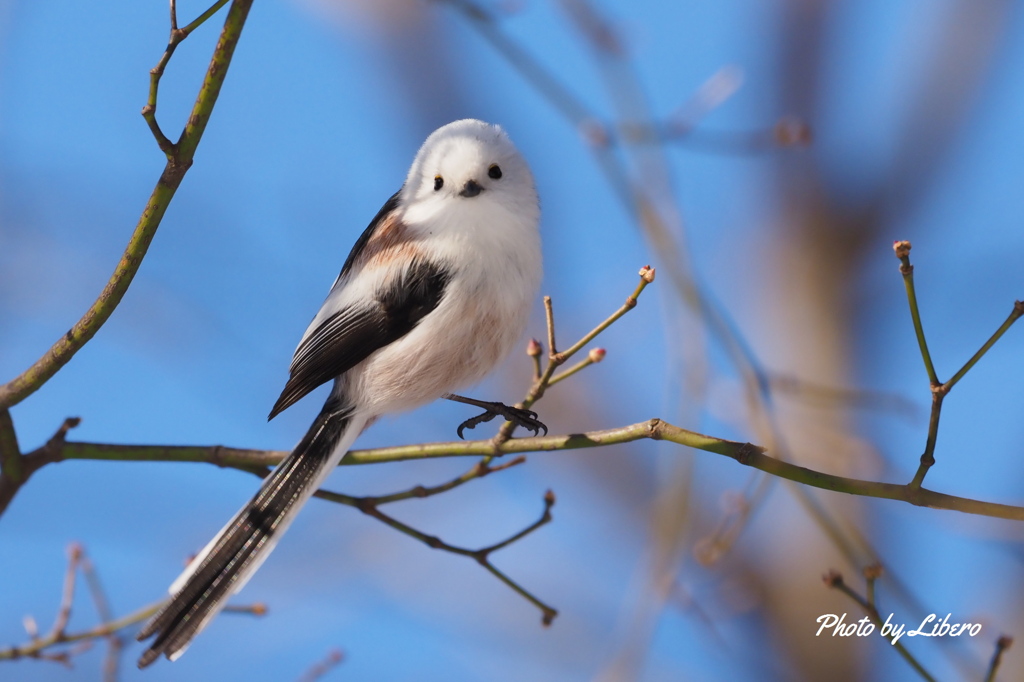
(596, 354)
(549, 498)
(792, 132)
(833, 579)
(647, 272)
(533, 348)
(873, 572)
(902, 248)
(594, 133)
(30, 626)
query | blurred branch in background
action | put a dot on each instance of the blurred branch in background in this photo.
(871, 573)
(51, 647)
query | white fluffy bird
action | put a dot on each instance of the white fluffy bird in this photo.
(433, 295)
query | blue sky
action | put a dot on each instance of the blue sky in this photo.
(321, 113)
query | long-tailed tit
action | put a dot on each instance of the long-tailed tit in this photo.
(434, 293)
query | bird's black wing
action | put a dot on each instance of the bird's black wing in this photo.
(357, 248)
(350, 335)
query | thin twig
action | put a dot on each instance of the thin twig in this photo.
(593, 357)
(939, 390)
(156, 73)
(333, 659)
(556, 359)
(902, 249)
(67, 599)
(1015, 314)
(115, 645)
(370, 505)
(821, 395)
(71, 342)
(482, 555)
(835, 581)
(36, 647)
(1002, 644)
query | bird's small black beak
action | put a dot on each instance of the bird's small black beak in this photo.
(471, 189)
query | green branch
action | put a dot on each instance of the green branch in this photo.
(902, 249)
(178, 162)
(939, 389)
(655, 429)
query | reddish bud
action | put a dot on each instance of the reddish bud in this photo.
(902, 248)
(30, 626)
(597, 354)
(594, 133)
(533, 348)
(792, 132)
(647, 272)
(833, 578)
(873, 572)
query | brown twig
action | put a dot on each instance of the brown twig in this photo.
(482, 555)
(370, 506)
(115, 644)
(40, 647)
(333, 659)
(60, 623)
(37, 647)
(834, 580)
(555, 359)
(109, 628)
(1002, 644)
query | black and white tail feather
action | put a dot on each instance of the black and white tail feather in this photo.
(230, 559)
(434, 293)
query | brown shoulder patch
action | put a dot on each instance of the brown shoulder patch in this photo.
(389, 240)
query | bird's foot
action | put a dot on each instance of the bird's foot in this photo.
(518, 416)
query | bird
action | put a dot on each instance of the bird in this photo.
(434, 293)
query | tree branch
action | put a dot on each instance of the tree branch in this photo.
(177, 165)
(655, 429)
(835, 581)
(939, 390)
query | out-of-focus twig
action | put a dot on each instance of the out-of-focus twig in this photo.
(1002, 644)
(835, 580)
(332, 660)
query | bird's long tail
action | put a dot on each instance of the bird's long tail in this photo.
(230, 559)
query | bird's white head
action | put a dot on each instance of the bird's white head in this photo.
(470, 167)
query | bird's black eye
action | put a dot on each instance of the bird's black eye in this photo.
(439, 181)
(494, 171)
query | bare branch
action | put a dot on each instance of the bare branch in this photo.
(177, 165)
